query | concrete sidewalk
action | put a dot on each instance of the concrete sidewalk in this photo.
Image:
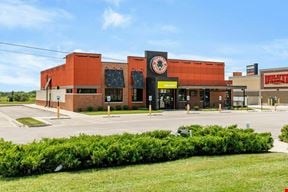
(279, 147)
(54, 110)
(271, 108)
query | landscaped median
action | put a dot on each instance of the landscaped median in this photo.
(50, 155)
(31, 122)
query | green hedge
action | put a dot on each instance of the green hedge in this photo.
(284, 134)
(49, 155)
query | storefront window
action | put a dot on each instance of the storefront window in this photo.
(137, 95)
(68, 90)
(86, 91)
(116, 94)
(182, 94)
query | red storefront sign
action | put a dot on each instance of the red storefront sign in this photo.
(276, 79)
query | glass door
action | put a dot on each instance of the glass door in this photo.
(166, 98)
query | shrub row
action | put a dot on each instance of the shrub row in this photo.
(49, 155)
(117, 107)
(284, 134)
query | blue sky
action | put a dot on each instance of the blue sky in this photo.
(236, 32)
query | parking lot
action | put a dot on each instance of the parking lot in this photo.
(74, 123)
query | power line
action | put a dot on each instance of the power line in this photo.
(44, 49)
(31, 47)
(23, 53)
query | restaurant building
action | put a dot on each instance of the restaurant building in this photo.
(87, 81)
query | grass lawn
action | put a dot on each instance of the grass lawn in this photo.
(115, 112)
(4, 100)
(30, 122)
(241, 173)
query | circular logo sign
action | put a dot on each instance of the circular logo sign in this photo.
(158, 64)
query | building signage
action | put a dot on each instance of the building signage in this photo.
(158, 64)
(279, 79)
(167, 84)
(150, 98)
(252, 69)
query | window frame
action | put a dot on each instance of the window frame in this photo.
(116, 94)
(136, 94)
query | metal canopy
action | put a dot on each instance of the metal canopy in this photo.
(114, 78)
(212, 87)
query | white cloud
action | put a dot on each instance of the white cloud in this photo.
(113, 19)
(22, 72)
(169, 28)
(18, 13)
(113, 2)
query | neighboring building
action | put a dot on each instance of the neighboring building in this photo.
(252, 92)
(85, 80)
(274, 85)
(269, 87)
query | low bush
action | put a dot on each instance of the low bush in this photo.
(284, 134)
(90, 109)
(49, 155)
(134, 107)
(118, 107)
(125, 107)
(235, 140)
(100, 108)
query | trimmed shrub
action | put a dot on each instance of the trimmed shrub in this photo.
(50, 155)
(125, 107)
(118, 107)
(100, 108)
(284, 134)
(134, 107)
(90, 109)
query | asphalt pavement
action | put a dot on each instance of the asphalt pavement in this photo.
(71, 124)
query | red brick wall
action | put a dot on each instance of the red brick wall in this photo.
(87, 70)
(214, 98)
(117, 66)
(197, 72)
(79, 70)
(136, 64)
(74, 102)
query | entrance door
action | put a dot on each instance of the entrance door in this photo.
(166, 98)
(205, 98)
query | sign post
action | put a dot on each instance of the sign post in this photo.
(275, 102)
(188, 105)
(261, 102)
(150, 105)
(58, 107)
(108, 107)
(220, 105)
